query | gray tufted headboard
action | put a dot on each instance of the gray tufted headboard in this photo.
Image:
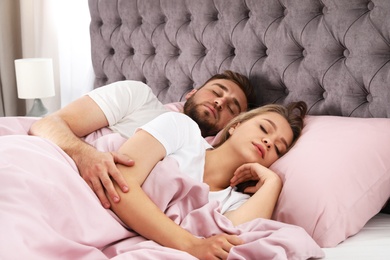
(333, 54)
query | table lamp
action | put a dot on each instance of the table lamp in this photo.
(35, 80)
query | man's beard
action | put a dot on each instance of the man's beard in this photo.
(191, 110)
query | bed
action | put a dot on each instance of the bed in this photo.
(334, 55)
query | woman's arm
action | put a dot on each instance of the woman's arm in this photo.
(266, 193)
(138, 212)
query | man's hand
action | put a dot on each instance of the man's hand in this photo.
(215, 247)
(99, 169)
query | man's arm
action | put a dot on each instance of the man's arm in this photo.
(66, 126)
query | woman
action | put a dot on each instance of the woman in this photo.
(249, 144)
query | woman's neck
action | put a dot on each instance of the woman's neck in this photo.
(219, 168)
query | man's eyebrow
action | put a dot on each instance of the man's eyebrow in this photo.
(276, 128)
(225, 89)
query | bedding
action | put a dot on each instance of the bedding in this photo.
(48, 211)
(372, 242)
(336, 177)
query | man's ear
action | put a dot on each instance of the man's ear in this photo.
(191, 93)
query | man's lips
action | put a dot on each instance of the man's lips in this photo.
(260, 149)
(212, 110)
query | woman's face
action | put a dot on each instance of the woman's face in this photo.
(263, 138)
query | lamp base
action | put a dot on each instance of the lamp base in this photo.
(38, 109)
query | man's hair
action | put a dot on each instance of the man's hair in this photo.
(242, 81)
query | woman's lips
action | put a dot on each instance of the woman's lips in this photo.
(260, 149)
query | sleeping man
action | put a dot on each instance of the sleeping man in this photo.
(126, 105)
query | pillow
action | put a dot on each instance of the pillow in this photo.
(336, 177)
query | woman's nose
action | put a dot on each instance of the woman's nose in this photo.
(267, 142)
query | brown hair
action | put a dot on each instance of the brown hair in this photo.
(294, 113)
(242, 81)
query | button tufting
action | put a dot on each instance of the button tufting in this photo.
(285, 12)
(189, 17)
(325, 94)
(304, 53)
(369, 98)
(346, 53)
(325, 10)
(370, 5)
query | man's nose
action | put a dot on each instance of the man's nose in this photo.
(219, 102)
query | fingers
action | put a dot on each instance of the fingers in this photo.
(235, 240)
(96, 186)
(101, 172)
(117, 176)
(122, 159)
(242, 174)
(229, 241)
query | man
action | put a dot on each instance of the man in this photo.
(123, 107)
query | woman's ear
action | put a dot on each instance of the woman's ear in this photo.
(232, 128)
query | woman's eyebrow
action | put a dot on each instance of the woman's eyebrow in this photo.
(276, 128)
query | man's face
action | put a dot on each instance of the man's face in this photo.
(215, 104)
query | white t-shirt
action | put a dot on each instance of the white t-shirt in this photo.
(182, 140)
(127, 105)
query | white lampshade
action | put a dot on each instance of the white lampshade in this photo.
(34, 78)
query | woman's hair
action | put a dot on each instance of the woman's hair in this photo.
(294, 113)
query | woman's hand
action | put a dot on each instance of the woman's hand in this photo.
(214, 247)
(265, 193)
(254, 173)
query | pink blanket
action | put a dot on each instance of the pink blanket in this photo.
(48, 212)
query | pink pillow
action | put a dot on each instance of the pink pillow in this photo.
(336, 177)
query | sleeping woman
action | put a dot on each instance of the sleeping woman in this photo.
(249, 144)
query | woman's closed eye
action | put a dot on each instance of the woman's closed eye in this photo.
(263, 129)
(278, 152)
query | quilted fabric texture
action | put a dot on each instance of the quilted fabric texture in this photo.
(333, 54)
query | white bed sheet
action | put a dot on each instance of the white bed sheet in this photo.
(371, 243)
